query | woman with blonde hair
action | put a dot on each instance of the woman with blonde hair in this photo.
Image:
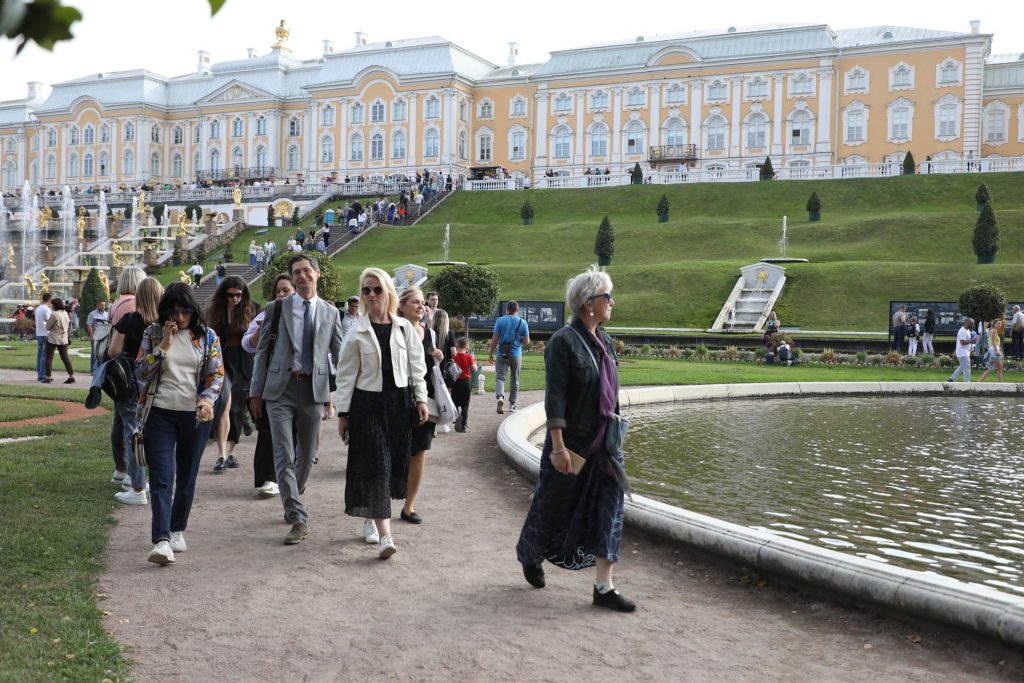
(575, 518)
(412, 306)
(994, 352)
(381, 397)
(128, 282)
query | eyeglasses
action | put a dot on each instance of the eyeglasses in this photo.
(234, 295)
(178, 311)
(607, 296)
(376, 290)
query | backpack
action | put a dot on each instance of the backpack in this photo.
(102, 333)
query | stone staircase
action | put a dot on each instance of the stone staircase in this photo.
(752, 299)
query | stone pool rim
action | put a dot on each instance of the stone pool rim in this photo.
(973, 607)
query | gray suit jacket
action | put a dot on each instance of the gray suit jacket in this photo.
(270, 379)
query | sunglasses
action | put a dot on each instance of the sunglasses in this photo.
(376, 290)
(607, 296)
(234, 295)
(176, 311)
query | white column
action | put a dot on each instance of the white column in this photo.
(165, 157)
(115, 154)
(225, 143)
(654, 105)
(311, 135)
(141, 144)
(823, 124)
(22, 159)
(186, 152)
(541, 126)
(62, 165)
(413, 135)
(778, 125)
(736, 115)
(696, 120)
(974, 65)
(274, 143)
(615, 139)
(581, 104)
(343, 162)
(250, 138)
(450, 114)
(204, 143)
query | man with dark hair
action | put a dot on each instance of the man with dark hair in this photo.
(96, 317)
(511, 333)
(43, 312)
(293, 386)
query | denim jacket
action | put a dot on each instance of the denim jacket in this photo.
(573, 385)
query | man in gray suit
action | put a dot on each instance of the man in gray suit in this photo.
(294, 387)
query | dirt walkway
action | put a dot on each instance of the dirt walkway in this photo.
(452, 604)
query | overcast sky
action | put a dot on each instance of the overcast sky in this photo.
(163, 36)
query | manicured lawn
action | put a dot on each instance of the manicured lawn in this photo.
(879, 239)
(13, 409)
(22, 356)
(55, 503)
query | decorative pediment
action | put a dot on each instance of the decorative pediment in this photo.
(235, 91)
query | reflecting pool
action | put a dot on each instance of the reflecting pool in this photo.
(932, 483)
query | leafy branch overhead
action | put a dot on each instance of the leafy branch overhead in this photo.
(47, 22)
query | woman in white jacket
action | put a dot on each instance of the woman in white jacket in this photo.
(381, 397)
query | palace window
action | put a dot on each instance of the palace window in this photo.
(398, 145)
(902, 76)
(236, 127)
(73, 135)
(486, 110)
(9, 145)
(995, 125)
(518, 145)
(757, 88)
(675, 132)
(154, 164)
(399, 110)
(87, 166)
(178, 136)
(128, 163)
(73, 166)
(950, 73)
(716, 128)
(104, 164)
(899, 123)
(599, 140)
(154, 134)
(377, 147)
(634, 138)
(802, 85)
(462, 111)
(484, 147)
(326, 149)
(51, 139)
(675, 95)
(293, 158)
(215, 160)
(355, 147)
(757, 130)
(197, 164)
(856, 81)
(855, 126)
(327, 116)
(377, 112)
(563, 103)
(51, 167)
(356, 113)
(10, 174)
(949, 121)
(718, 91)
(294, 127)
(563, 142)
(433, 108)
(176, 166)
(261, 157)
(197, 133)
(104, 133)
(462, 145)
(800, 133)
(599, 100)
(519, 107)
(261, 126)
(432, 148)
(635, 98)
(214, 129)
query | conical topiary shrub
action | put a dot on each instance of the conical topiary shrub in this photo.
(909, 166)
(604, 245)
(814, 207)
(662, 209)
(767, 171)
(986, 236)
(526, 212)
(982, 196)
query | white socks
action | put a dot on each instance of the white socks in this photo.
(604, 587)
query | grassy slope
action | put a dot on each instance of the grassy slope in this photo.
(902, 237)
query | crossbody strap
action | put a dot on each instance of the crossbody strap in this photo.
(275, 325)
(587, 347)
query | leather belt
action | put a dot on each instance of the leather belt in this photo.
(301, 376)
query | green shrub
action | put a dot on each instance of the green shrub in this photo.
(526, 211)
(328, 287)
(875, 359)
(862, 356)
(662, 209)
(947, 361)
(982, 302)
(813, 203)
(767, 172)
(986, 233)
(701, 350)
(926, 359)
(983, 195)
(646, 350)
(604, 244)
(908, 164)
(688, 352)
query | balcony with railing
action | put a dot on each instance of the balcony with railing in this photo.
(237, 173)
(672, 154)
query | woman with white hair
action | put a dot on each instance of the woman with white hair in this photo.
(575, 519)
(381, 397)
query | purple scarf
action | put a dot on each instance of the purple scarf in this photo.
(607, 400)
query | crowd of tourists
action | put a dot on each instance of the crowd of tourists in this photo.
(393, 373)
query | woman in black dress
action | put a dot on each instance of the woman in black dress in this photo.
(575, 519)
(412, 306)
(381, 398)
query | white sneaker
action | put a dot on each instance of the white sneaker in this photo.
(117, 477)
(387, 548)
(178, 541)
(131, 497)
(161, 553)
(128, 487)
(501, 406)
(268, 490)
(370, 534)
(126, 483)
(445, 429)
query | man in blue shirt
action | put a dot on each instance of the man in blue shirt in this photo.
(510, 335)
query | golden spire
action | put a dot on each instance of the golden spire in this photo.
(282, 34)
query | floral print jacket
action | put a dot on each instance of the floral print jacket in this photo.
(208, 380)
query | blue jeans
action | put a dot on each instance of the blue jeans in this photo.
(964, 369)
(174, 447)
(41, 357)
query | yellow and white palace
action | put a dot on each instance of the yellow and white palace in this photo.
(805, 95)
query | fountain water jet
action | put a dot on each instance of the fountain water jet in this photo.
(67, 222)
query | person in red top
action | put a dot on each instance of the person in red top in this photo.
(463, 387)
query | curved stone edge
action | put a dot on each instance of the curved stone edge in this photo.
(924, 594)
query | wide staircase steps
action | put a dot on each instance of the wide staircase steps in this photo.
(752, 299)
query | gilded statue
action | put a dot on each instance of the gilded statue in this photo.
(81, 223)
(142, 202)
(117, 257)
(282, 34)
(236, 194)
(31, 287)
(185, 277)
(106, 284)
(181, 223)
(10, 260)
(45, 214)
(45, 285)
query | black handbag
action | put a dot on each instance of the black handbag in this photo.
(119, 379)
(450, 372)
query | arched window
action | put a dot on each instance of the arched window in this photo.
(214, 129)
(486, 110)
(716, 128)
(261, 125)
(432, 148)
(757, 88)
(356, 113)
(261, 158)
(154, 134)
(519, 107)
(563, 142)
(675, 95)
(635, 98)
(89, 135)
(128, 163)
(462, 145)
(377, 112)
(377, 146)
(399, 111)
(599, 140)
(104, 133)
(104, 164)
(950, 73)
(293, 158)
(433, 108)
(73, 166)
(237, 127)
(154, 164)
(178, 135)
(398, 145)
(485, 147)
(176, 166)
(236, 157)
(197, 133)
(857, 80)
(634, 138)
(517, 143)
(717, 91)
(356, 148)
(215, 160)
(800, 133)
(563, 103)
(757, 130)
(51, 137)
(197, 164)
(87, 166)
(326, 149)
(10, 174)
(51, 167)
(73, 135)
(294, 127)
(675, 132)
(327, 115)
(599, 100)
(803, 85)
(901, 77)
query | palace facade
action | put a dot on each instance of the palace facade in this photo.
(806, 95)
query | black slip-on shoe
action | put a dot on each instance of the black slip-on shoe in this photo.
(534, 574)
(615, 600)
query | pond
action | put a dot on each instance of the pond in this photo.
(932, 483)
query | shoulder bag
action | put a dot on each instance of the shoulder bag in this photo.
(440, 409)
(505, 348)
(618, 426)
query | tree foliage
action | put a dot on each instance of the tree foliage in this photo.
(328, 287)
(296, 221)
(909, 165)
(767, 171)
(983, 196)
(986, 233)
(636, 176)
(604, 245)
(526, 211)
(92, 291)
(813, 203)
(983, 302)
(467, 289)
(158, 212)
(194, 212)
(663, 207)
